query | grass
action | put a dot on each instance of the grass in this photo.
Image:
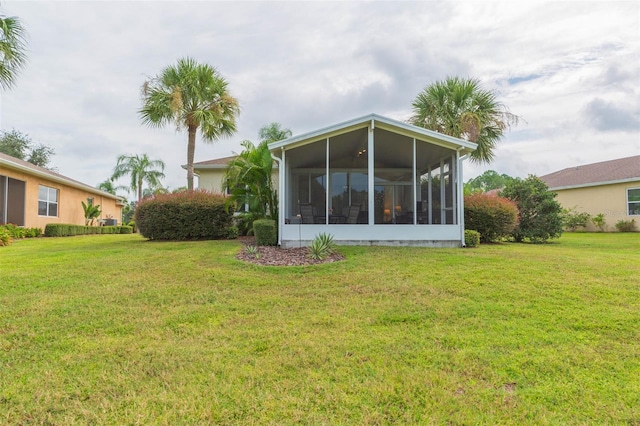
(113, 329)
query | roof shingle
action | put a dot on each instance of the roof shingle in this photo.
(595, 174)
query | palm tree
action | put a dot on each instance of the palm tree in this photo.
(108, 186)
(12, 50)
(141, 169)
(462, 108)
(273, 132)
(91, 212)
(192, 96)
(249, 175)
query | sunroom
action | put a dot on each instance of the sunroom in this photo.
(371, 180)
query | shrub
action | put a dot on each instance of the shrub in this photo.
(471, 238)
(599, 222)
(232, 232)
(68, 230)
(492, 216)
(540, 214)
(626, 226)
(188, 215)
(15, 231)
(5, 238)
(321, 247)
(266, 232)
(573, 220)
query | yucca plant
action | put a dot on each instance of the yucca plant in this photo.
(321, 247)
(253, 251)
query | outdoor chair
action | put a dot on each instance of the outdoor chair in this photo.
(306, 212)
(354, 211)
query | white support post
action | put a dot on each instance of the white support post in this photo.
(370, 174)
(415, 186)
(327, 190)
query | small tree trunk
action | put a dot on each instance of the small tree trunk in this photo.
(191, 149)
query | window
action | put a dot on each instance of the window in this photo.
(633, 201)
(47, 201)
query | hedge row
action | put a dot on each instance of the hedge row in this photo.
(67, 230)
(187, 215)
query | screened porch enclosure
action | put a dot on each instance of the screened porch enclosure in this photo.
(364, 177)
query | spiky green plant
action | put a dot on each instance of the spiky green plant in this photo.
(321, 247)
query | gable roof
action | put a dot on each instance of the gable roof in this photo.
(382, 122)
(216, 163)
(33, 170)
(602, 173)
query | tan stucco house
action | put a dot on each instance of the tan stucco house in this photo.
(608, 187)
(211, 174)
(33, 196)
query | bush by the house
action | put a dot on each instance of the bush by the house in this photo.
(471, 238)
(16, 232)
(626, 226)
(187, 215)
(492, 216)
(232, 232)
(599, 221)
(69, 230)
(266, 232)
(540, 214)
(5, 238)
(573, 219)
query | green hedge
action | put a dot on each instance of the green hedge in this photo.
(68, 230)
(187, 215)
(266, 232)
(471, 238)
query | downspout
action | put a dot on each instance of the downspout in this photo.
(459, 161)
(280, 195)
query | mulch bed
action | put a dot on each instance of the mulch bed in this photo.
(276, 256)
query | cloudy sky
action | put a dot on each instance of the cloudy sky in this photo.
(570, 70)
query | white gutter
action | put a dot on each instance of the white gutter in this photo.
(280, 196)
(59, 179)
(587, 185)
(459, 161)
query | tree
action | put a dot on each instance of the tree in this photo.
(141, 169)
(462, 108)
(91, 212)
(273, 132)
(108, 186)
(12, 50)
(249, 175)
(19, 145)
(540, 214)
(192, 96)
(487, 181)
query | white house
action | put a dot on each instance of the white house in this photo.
(371, 180)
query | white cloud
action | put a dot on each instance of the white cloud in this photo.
(571, 70)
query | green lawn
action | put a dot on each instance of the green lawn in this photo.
(113, 329)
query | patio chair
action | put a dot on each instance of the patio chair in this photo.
(354, 211)
(306, 212)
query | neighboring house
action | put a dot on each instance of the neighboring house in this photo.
(211, 174)
(33, 196)
(609, 187)
(371, 180)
